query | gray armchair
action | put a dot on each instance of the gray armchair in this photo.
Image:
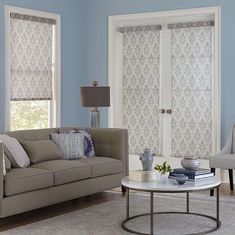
(226, 158)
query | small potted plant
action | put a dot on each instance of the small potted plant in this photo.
(163, 169)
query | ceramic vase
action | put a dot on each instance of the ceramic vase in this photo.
(147, 159)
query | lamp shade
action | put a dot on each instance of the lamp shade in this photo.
(95, 96)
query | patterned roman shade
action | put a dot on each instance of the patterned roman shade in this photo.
(191, 84)
(141, 61)
(30, 57)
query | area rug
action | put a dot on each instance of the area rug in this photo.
(105, 218)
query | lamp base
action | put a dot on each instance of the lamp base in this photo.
(95, 118)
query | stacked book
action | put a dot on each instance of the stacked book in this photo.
(196, 175)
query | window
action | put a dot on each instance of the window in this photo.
(29, 114)
(33, 77)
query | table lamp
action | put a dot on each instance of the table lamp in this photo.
(95, 96)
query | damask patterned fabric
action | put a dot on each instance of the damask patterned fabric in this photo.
(141, 58)
(191, 101)
(30, 59)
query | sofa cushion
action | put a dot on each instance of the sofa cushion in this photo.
(101, 166)
(26, 179)
(42, 150)
(65, 171)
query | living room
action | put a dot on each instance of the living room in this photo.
(145, 88)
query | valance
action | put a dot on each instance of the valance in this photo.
(139, 28)
(39, 19)
(190, 24)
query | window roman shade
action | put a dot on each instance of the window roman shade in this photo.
(31, 57)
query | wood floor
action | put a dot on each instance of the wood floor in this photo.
(78, 204)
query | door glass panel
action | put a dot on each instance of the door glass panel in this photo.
(191, 101)
(141, 61)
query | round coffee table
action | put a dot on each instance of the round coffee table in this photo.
(171, 187)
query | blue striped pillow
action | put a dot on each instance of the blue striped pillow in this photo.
(89, 149)
(71, 145)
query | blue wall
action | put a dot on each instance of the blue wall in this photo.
(85, 48)
(96, 42)
(72, 55)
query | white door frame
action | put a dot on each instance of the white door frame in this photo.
(115, 56)
(55, 117)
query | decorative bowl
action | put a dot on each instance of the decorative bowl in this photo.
(180, 178)
(190, 163)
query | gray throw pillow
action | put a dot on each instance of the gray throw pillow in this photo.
(42, 150)
(14, 151)
(71, 145)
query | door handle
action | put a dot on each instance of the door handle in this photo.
(162, 110)
(169, 111)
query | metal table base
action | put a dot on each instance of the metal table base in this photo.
(152, 213)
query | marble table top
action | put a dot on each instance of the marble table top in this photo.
(171, 185)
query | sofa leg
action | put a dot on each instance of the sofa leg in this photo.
(230, 172)
(212, 190)
(123, 190)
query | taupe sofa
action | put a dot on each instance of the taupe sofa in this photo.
(47, 183)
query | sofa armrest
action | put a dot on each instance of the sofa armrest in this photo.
(1, 171)
(113, 143)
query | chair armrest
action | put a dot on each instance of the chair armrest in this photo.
(228, 147)
(222, 156)
(1, 171)
(113, 143)
(223, 161)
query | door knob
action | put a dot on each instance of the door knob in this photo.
(162, 110)
(169, 111)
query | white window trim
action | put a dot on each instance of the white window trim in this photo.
(115, 55)
(56, 114)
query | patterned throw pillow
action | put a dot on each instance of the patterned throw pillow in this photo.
(89, 149)
(71, 145)
(67, 131)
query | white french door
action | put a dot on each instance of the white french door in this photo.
(187, 94)
(166, 94)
